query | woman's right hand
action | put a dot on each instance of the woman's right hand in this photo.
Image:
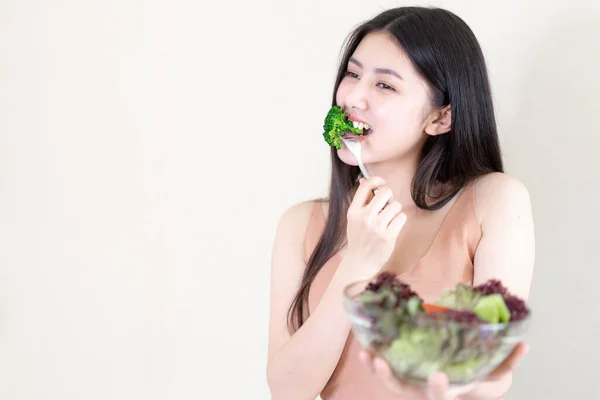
(374, 223)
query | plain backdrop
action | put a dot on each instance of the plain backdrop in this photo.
(148, 149)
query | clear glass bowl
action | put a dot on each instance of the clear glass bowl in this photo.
(417, 346)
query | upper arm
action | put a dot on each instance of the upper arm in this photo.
(507, 247)
(287, 269)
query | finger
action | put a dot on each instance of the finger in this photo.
(382, 368)
(438, 387)
(510, 364)
(388, 213)
(370, 196)
(397, 224)
(364, 191)
(384, 372)
(378, 202)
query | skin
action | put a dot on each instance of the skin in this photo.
(389, 229)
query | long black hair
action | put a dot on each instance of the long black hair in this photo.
(446, 53)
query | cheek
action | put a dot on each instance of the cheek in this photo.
(399, 116)
(392, 117)
(341, 93)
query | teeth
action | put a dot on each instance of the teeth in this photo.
(360, 125)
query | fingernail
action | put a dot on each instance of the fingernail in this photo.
(363, 359)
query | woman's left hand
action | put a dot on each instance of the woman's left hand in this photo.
(437, 387)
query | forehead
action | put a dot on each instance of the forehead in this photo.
(379, 50)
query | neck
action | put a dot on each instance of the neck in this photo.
(398, 175)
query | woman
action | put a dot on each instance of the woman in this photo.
(444, 213)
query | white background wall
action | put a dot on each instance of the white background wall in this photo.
(87, 223)
(146, 153)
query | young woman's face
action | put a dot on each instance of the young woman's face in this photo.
(382, 88)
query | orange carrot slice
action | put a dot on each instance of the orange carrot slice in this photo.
(434, 308)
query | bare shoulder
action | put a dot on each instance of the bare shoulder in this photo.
(499, 194)
(298, 215)
(506, 250)
(293, 224)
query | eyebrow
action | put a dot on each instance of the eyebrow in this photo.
(377, 70)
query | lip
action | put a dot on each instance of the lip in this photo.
(360, 138)
(352, 118)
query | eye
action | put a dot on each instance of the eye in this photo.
(351, 74)
(385, 86)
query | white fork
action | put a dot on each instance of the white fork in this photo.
(353, 144)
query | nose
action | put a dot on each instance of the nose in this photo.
(356, 99)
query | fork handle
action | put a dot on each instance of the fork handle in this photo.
(364, 172)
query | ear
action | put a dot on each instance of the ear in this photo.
(440, 121)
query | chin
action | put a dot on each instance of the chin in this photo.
(346, 156)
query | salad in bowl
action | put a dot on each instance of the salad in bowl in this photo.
(466, 333)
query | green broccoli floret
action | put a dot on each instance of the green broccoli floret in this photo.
(336, 125)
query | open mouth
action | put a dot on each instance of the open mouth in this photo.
(366, 132)
(366, 128)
